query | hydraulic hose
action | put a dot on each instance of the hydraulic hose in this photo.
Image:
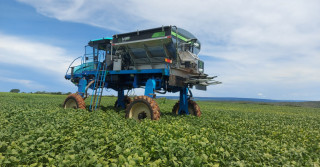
(87, 87)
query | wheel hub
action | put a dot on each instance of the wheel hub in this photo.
(140, 111)
(142, 115)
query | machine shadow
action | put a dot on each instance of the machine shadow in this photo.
(106, 108)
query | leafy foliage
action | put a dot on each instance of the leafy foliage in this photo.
(35, 130)
(15, 90)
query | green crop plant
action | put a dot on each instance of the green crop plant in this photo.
(36, 131)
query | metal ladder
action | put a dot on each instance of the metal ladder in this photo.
(98, 85)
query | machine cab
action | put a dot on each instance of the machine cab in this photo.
(97, 54)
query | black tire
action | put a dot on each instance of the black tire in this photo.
(143, 107)
(193, 108)
(74, 101)
(127, 101)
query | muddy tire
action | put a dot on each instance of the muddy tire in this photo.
(143, 107)
(193, 108)
(74, 101)
(127, 101)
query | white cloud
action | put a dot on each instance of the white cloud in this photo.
(23, 82)
(42, 57)
(18, 53)
(261, 42)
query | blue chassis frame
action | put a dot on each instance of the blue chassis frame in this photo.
(151, 84)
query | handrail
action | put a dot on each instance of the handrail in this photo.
(72, 63)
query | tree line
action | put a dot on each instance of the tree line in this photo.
(40, 92)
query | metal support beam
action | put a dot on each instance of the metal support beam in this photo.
(131, 56)
(167, 53)
(183, 106)
(148, 53)
(135, 81)
(150, 87)
(121, 98)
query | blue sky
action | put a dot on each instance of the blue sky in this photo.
(259, 49)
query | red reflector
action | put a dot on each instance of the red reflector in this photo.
(113, 44)
(168, 60)
(169, 36)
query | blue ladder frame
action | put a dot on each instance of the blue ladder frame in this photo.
(99, 83)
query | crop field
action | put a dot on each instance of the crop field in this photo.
(36, 131)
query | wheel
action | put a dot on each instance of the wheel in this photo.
(127, 101)
(74, 101)
(193, 108)
(143, 107)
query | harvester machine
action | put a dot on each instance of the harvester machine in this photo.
(160, 60)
